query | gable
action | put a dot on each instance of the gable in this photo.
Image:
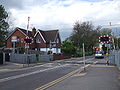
(38, 34)
(16, 31)
(57, 39)
(49, 36)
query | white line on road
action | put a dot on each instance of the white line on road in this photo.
(31, 73)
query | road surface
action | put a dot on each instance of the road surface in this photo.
(34, 77)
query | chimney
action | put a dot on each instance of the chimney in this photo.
(33, 31)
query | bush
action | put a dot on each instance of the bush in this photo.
(80, 54)
(37, 57)
(88, 53)
(49, 52)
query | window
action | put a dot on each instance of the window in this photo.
(37, 40)
(14, 44)
(57, 40)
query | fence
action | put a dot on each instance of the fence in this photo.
(29, 58)
(1, 58)
(114, 58)
(33, 58)
(23, 58)
(45, 58)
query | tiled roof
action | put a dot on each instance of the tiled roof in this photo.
(49, 35)
(22, 30)
(25, 31)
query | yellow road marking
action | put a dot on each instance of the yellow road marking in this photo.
(95, 62)
(80, 74)
(64, 77)
(4, 70)
(61, 78)
(118, 77)
(17, 64)
(57, 80)
(101, 66)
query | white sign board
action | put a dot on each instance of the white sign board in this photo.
(26, 46)
(14, 39)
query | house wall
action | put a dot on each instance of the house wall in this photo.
(42, 43)
(20, 36)
(54, 50)
(39, 46)
(58, 41)
(43, 47)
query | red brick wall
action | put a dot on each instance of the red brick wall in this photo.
(42, 43)
(18, 34)
(60, 56)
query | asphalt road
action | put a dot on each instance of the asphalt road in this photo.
(32, 78)
(98, 76)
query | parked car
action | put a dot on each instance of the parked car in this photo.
(99, 54)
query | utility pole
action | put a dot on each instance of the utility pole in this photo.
(112, 36)
(28, 25)
(27, 44)
(84, 54)
(27, 33)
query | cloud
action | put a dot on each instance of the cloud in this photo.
(12, 4)
(62, 14)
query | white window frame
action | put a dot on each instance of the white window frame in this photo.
(38, 41)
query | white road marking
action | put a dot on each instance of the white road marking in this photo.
(31, 73)
(35, 72)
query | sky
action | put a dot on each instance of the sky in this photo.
(61, 14)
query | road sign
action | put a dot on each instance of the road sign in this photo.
(14, 39)
(28, 40)
(105, 39)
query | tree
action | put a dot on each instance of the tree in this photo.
(84, 33)
(68, 47)
(3, 25)
(11, 20)
(105, 31)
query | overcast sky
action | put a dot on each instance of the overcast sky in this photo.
(62, 14)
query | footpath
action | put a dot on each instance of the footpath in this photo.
(96, 77)
(9, 66)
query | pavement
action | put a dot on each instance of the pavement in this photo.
(10, 66)
(96, 77)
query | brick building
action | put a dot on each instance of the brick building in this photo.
(41, 40)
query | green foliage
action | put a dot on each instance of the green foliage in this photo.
(88, 53)
(3, 26)
(84, 33)
(117, 43)
(37, 57)
(68, 47)
(79, 54)
(105, 31)
(49, 52)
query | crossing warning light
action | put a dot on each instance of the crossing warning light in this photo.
(104, 39)
(28, 40)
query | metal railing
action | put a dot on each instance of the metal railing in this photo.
(114, 58)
